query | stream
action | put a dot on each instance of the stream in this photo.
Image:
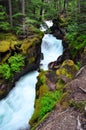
(17, 108)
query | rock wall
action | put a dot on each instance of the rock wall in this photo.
(30, 48)
(70, 113)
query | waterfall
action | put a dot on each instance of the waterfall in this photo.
(16, 109)
(51, 48)
(47, 25)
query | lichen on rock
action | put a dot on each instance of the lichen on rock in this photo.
(67, 71)
(30, 48)
(4, 46)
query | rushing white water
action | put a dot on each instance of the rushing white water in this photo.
(51, 48)
(48, 23)
(16, 109)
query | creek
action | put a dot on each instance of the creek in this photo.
(17, 108)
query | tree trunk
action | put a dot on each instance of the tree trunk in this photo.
(65, 5)
(10, 13)
(23, 7)
(23, 12)
(81, 16)
(41, 11)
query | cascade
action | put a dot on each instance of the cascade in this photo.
(51, 48)
(48, 24)
(16, 109)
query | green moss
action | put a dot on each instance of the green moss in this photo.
(41, 79)
(7, 36)
(68, 62)
(31, 41)
(43, 89)
(60, 84)
(45, 99)
(63, 71)
(31, 60)
(67, 70)
(4, 46)
(80, 105)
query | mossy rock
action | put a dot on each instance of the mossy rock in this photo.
(31, 60)
(63, 22)
(34, 118)
(8, 41)
(67, 71)
(43, 89)
(15, 43)
(60, 84)
(27, 43)
(41, 86)
(4, 46)
(45, 99)
(79, 105)
(7, 36)
(41, 79)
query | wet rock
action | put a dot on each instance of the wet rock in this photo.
(57, 30)
(67, 71)
(56, 64)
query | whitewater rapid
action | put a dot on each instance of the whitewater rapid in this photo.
(51, 48)
(17, 108)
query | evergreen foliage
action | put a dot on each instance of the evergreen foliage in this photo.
(4, 25)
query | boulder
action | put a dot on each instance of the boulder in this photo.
(77, 87)
(67, 71)
(83, 57)
(70, 113)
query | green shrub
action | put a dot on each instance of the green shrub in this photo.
(45, 104)
(48, 101)
(79, 64)
(76, 39)
(16, 62)
(5, 71)
(14, 65)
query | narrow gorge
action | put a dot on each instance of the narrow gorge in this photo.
(16, 109)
